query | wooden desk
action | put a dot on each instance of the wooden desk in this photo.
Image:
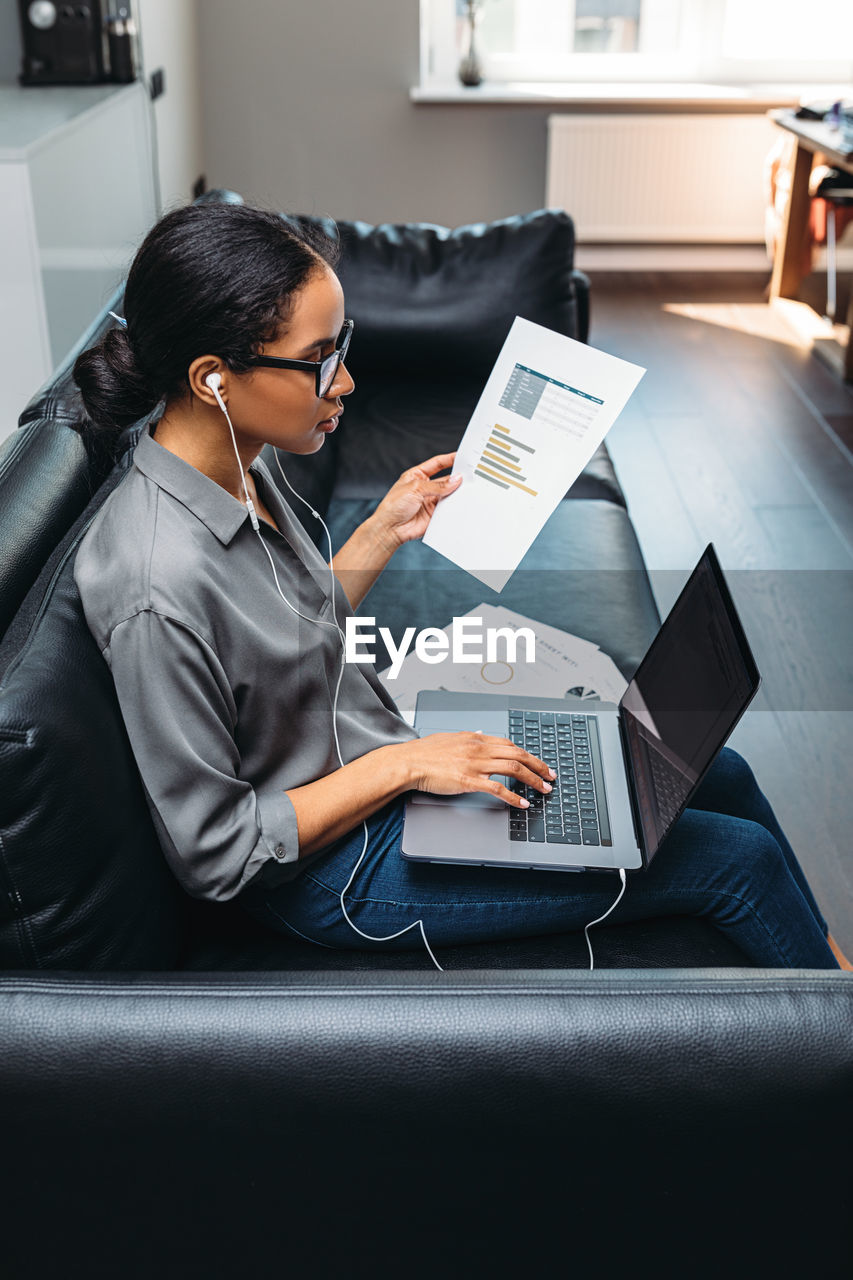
(813, 136)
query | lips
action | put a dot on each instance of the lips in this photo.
(329, 424)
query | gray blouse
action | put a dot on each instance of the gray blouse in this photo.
(225, 692)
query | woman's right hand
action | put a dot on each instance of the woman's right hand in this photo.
(450, 763)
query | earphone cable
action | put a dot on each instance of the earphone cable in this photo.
(624, 879)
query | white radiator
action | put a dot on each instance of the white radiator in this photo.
(660, 178)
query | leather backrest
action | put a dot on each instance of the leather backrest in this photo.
(47, 475)
(440, 301)
(84, 882)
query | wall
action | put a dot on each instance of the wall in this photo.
(306, 107)
(10, 41)
(169, 39)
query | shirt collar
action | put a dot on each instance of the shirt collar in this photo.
(206, 499)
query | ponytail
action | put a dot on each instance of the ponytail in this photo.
(115, 392)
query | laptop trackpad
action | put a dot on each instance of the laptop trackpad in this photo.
(491, 722)
(466, 800)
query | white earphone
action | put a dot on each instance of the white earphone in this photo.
(214, 381)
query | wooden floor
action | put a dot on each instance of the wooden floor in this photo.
(738, 435)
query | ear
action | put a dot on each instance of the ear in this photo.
(201, 369)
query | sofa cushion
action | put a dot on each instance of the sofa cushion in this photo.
(85, 885)
(223, 937)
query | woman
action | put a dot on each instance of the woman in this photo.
(261, 752)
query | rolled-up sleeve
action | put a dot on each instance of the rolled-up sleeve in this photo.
(218, 833)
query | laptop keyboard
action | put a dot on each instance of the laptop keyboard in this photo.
(671, 788)
(575, 811)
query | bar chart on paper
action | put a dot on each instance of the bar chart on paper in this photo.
(543, 412)
(544, 402)
(500, 461)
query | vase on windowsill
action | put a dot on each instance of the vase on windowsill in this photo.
(470, 67)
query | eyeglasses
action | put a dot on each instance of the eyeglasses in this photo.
(325, 371)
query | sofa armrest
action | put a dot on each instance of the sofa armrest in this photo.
(479, 1123)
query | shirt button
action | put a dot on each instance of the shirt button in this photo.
(279, 851)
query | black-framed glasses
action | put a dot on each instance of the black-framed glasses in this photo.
(325, 371)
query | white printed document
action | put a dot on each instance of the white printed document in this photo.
(545, 409)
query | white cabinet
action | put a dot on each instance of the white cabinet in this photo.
(76, 197)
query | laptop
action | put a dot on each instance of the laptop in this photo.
(624, 773)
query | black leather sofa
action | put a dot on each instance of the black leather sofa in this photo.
(183, 1093)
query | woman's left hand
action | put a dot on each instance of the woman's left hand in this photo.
(406, 510)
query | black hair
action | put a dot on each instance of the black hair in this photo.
(208, 278)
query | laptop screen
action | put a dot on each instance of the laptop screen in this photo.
(688, 694)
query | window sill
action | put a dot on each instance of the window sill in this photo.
(752, 97)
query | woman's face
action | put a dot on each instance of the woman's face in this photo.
(280, 406)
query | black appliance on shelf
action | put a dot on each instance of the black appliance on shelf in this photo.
(63, 43)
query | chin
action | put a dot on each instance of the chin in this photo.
(310, 444)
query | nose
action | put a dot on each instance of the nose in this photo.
(343, 384)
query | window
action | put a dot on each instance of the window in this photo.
(725, 41)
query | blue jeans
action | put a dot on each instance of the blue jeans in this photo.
(726, 859)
